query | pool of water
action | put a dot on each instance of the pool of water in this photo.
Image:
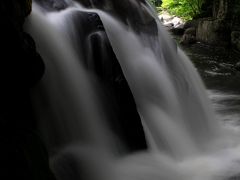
(222, 80)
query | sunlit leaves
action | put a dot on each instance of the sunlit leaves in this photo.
(183, 8)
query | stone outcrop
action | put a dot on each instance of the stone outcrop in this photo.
(189, 36)
(140, 20)
(216, 30)
(213, 31)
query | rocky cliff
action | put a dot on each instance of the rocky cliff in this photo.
(223, 27)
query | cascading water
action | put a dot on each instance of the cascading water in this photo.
(185, 141)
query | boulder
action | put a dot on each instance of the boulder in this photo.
(191, 31)
(177, 21)
(172, 23)
(165, 17)
(217, 29)
(213, 31)
(189, 36)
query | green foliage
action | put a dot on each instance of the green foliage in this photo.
(186, 9)
(159, 9)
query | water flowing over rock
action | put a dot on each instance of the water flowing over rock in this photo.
(114, 77)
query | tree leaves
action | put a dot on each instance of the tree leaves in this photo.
(186, 9)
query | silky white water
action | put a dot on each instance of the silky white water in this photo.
(185, 140)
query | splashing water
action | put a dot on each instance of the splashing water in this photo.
(185, 141)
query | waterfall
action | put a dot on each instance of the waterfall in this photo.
(184, 139)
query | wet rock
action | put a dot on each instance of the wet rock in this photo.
(165, 17)
(169, 25)
(235, 39)
(161, 19)
(213, 31)
(189, 36)
(237, 66)
(191, 31)
(178, 30)
(177, 21)
(141, 20)
(187, 39)
(123, 117)
(169, 20)
(100, 59)
(172, 23)
(52, 5)
(217, 29)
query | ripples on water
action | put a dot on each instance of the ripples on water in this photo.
(226, 105)
(217, 68)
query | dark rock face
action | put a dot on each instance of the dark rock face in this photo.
(235, 39)
(23, 155)
(214, 32)
(101, 60)
(189, 36)
(217, 29)
(125, 121)
(178, 30)
(140, 20)
(52, 5)
(120, 9)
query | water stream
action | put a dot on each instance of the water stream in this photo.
(185, 138)
(217, 68)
